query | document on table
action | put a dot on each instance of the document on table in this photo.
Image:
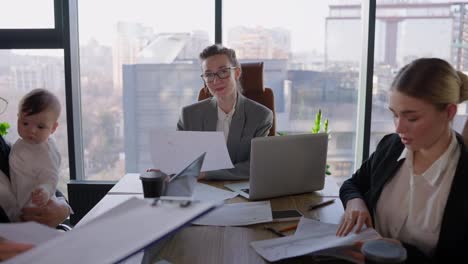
(171, 151)
(205, 192)
(311, 237)
(136, 222)
(238, 214)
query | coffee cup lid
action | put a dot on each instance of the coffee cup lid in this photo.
(384, 251)
(152, 175)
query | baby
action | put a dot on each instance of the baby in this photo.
(34, 158)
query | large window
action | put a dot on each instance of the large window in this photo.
(311, 51)
(138, 67)
(26, 14)
(24, 70)
(406, 31)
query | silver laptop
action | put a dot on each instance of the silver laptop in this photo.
(285, 165)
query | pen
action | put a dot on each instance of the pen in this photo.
(274, 231)
(322, 204)
(288, 228)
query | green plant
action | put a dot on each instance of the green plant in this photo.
(4, 128)
(318, 123)
(316, 129)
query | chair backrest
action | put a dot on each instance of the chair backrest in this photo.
(252, 85)
(84, 195)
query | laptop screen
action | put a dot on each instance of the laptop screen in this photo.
(193, 169)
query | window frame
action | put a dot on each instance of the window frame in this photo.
(65, 36)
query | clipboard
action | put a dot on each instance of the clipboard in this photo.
(118, 234)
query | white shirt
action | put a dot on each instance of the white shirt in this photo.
(411, 206)
(224, 121)
(31, 166)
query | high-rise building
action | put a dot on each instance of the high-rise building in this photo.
(400, 32)
(260, 43)
(460, 36)
(131, 38)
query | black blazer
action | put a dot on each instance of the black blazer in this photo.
(4, 152)
(367, 183)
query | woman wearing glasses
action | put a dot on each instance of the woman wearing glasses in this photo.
(239, 118)
(52, 214)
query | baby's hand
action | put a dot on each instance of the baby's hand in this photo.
(39, 197)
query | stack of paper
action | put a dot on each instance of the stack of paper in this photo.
(312, 237)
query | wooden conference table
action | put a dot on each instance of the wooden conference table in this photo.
(209, 244)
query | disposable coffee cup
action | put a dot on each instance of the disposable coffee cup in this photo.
(383, 251)
(154, 183)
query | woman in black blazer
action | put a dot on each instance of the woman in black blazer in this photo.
(414, 187)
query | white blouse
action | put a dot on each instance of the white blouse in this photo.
(224, 121)
(411, 206)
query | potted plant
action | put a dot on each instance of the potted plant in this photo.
(316, 129)
(4, 128)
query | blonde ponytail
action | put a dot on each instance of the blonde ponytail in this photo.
(463, 86)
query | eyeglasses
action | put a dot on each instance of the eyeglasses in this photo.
(222, 74)
(3, 105)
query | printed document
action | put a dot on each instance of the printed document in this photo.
(238, 214)
(312, 237)
(171, 151)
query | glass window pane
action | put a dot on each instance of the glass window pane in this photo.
(139, 66)
(20, 14)
(24, 70)
(311, 52)
(401, 36)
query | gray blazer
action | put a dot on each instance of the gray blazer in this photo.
(250, 120)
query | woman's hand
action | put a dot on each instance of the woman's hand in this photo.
(52, 214)
(9, 249)
(202, 176)
(356, 214)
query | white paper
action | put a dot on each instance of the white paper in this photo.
(238, 214)
(310, 226)
(28, 232)
(130, 183)
(107, 203)
(205, 192)
(171, 151)
(111, 239)
(312, 237)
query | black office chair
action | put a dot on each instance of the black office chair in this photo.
(84, 195)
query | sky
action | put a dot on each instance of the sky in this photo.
(305, 18)
(97, 18)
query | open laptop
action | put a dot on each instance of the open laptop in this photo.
(285, 165)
